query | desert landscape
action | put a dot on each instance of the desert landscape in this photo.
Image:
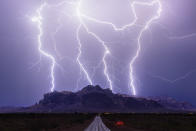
(79, 122)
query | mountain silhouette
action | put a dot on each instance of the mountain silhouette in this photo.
(95, 99)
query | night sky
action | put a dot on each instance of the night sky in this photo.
(166, 65)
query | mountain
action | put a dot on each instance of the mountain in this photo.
(95, 99)
(171, 103)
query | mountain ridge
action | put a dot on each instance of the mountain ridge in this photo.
(94, 99)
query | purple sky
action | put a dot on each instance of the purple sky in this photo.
(166, 65)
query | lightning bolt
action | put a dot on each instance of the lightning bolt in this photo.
(107, 51)
(175, 80)
(39, 20)
(140, 36)
(99, 40)
(81, 16)
(183, 37)
(79, 55)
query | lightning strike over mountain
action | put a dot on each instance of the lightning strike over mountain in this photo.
(81, 16)
(140, 36)
(38, 19)
(99, 40)
(138, 48)
(121, 29)
(78, 58)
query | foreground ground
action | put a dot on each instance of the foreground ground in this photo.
(78, 122)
